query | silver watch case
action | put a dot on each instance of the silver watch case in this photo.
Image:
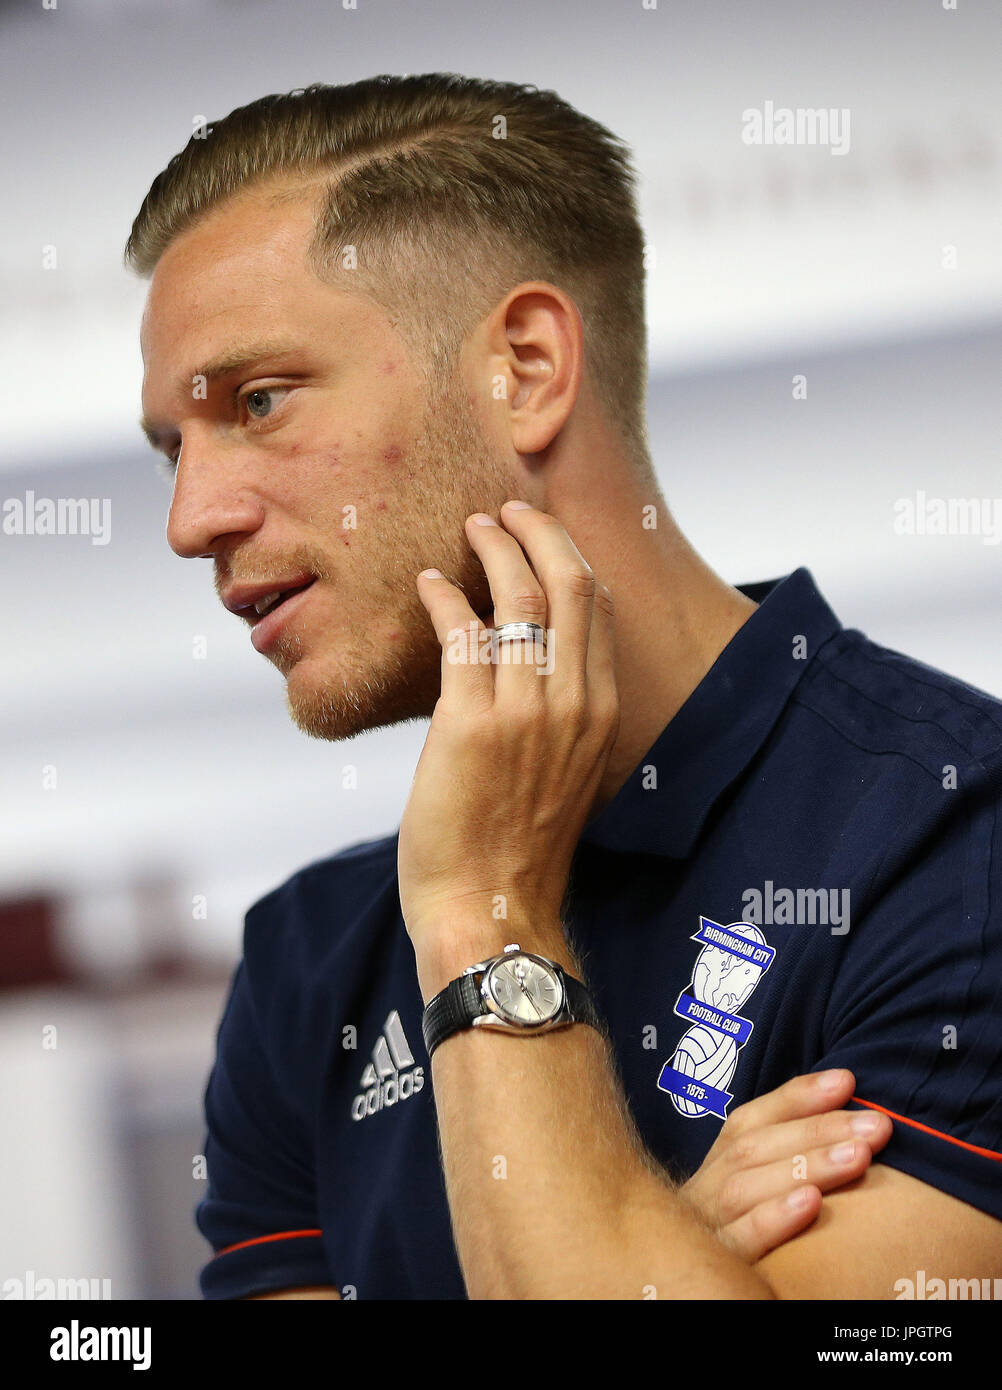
(495, 1016)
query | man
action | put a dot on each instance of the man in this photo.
(394, 349)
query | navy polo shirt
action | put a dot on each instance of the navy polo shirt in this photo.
(804, 872)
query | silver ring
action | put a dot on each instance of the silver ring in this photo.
(520, 632)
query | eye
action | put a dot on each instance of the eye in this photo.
(260, 406)
(259, 401)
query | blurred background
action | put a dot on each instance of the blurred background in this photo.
(826, 340)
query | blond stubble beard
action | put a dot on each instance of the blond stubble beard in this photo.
(454, 473)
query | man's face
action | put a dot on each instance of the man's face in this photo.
(324, 458)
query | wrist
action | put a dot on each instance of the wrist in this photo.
(456, 945)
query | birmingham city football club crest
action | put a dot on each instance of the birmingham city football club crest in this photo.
(733, 960)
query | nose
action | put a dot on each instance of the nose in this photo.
(213, 498)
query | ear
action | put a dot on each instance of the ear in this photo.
(536, 345)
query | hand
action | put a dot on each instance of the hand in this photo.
(741, 1188)
(514, 757)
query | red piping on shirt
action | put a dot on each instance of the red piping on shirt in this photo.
(961, 1143)
(259, 1240)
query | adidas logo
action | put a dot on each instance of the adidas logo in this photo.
(384, 1080)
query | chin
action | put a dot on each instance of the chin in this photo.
(323, 705)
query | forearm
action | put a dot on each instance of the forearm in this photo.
(550, 1193)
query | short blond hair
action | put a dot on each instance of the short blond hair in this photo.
(451, 190)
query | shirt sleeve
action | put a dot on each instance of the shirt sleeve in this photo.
(259, 1210)
(916, 1007)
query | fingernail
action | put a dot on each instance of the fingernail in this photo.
(865, 1124)
(519, 506)
(432, 574)
(831, 1080)
(842, 1153)
(799, 1199)
(482, 519)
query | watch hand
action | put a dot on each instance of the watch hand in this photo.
(528, 996)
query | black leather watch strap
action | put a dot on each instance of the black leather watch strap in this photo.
(460, 1002)
(579, 1002)
(452, 1008)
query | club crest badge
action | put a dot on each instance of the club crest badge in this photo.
(733, 960)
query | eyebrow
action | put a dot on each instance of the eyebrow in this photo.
(225, 364)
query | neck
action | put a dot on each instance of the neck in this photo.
(673, 614)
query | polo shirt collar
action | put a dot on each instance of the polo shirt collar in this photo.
(722, 725)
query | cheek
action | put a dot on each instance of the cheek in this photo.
(329, 459)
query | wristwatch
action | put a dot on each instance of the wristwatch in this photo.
(516, 992)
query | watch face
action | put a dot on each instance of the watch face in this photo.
(524, 989)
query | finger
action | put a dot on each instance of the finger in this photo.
(779, 1141)
(569, 584)
(601, 665)
(827, 1168)
(808, 1094)
(518, 597)
(465, 675)
(771, 1223)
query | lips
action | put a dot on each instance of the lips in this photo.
(267, 626)
(274, 600)
(257, 601)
